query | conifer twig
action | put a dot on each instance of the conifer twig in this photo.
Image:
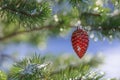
(93, 14)
(24, 31)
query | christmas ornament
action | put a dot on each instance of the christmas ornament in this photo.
(80, 42)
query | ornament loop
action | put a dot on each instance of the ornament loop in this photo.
(79, 27)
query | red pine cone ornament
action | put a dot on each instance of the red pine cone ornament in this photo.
(80, 42)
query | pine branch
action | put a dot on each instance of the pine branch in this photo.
(24, 31)
(36, 68)
(24, 12)
(53, 27)
(21, 12)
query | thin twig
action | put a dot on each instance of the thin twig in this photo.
(92, 14)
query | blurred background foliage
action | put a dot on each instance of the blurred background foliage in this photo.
(34, 21)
